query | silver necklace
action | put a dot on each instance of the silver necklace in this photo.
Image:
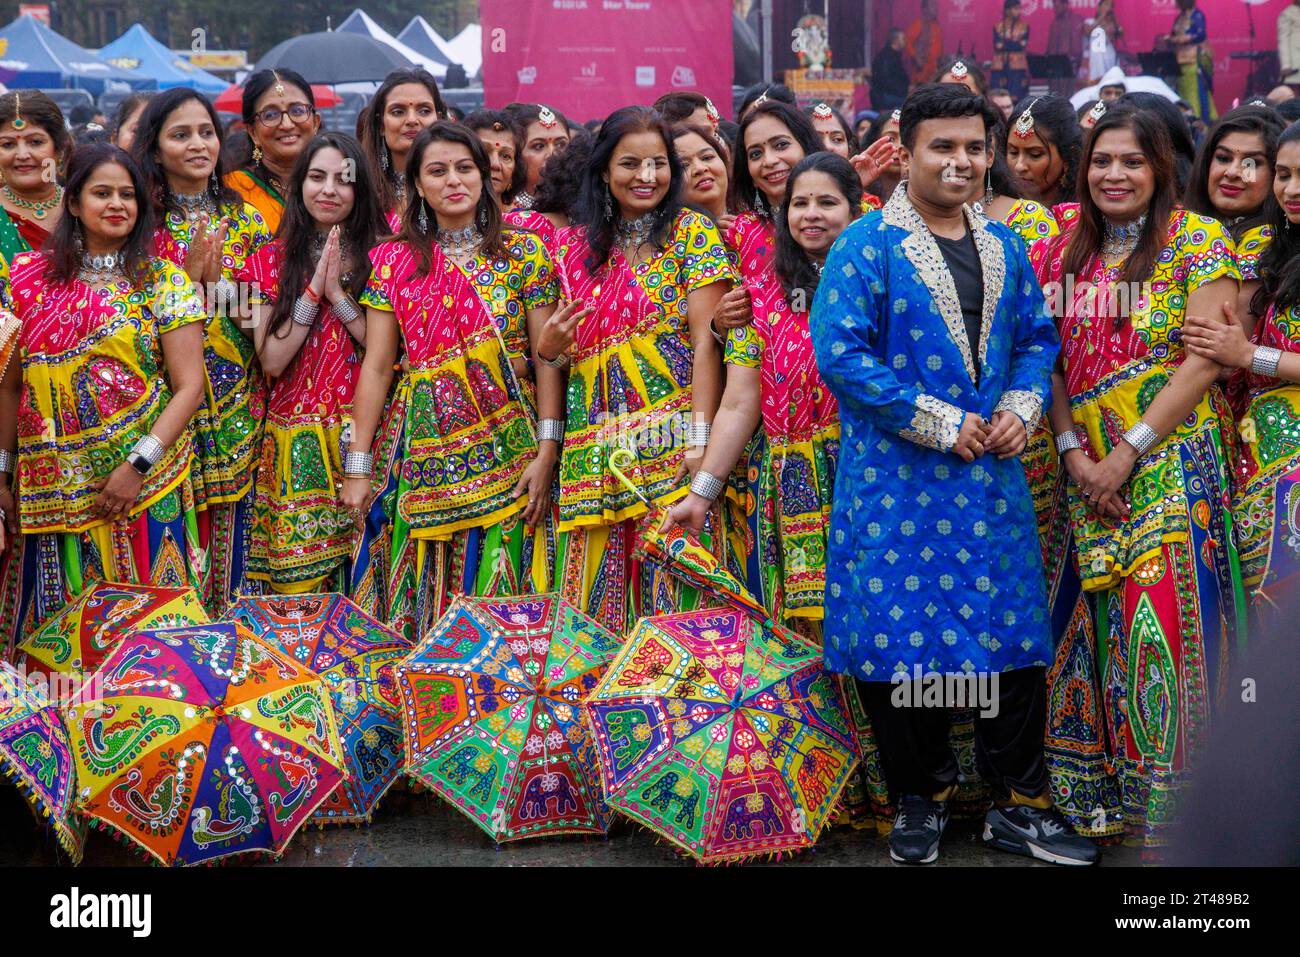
(1122, 240)
(459, 243)
(524, 201)
(634, 233)
(194, 205)
(103, 268)
(818, 266)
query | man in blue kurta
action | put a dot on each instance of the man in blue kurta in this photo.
(932, 331)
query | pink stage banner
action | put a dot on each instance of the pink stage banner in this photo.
(586, 58)
(970, 24)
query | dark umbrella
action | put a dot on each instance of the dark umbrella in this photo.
(334, 58)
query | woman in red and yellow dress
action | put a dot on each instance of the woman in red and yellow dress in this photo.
(279, 112)
(208, 230)
(33, 147)
(472, 442)
(98, 405)
(309, 345)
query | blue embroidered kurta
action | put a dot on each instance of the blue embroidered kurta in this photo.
(932, 561)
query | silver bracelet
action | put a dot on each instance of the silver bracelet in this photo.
(559, 362)
(304, 311)
(8, 461)
(1265, 361)
(1066, 441)
(707, 486)
(1142, 437)
(700, 434)
(359, 465)
(347, 311)
(149, 448)
(550, 430)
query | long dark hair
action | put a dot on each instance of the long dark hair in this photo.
(594, 192)
(793, 267)
(742, 190)
(66, 242)
(372, 133)
(128, 105)
(1056, 125)
(557, 190)
(144, 148)
(1176, 125)
(359, 232)
(1258, 121)
(499, 121)
(487, 215)
(1090, 234)
(36, 107)
(1279, 264)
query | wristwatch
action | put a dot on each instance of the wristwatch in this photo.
(139, 462)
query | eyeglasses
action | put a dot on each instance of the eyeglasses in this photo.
(298, 112)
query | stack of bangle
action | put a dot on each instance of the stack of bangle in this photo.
(700, 434)
(347, 310)
(550, 430)
(359, 465)
(8, 462)
(1265, 361)
(304, 310)
(559, 362)
(1067, 441)
(145, 454)
(707, 486)
(1142, 437)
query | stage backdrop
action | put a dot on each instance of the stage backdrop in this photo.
(970, 23)
(589, 57)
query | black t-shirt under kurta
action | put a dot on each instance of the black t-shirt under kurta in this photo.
(963, 259)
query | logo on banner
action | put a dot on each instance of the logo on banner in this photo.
(589, 69)
(961, 11)
(527, 75)
(645, 76)
(683, 76)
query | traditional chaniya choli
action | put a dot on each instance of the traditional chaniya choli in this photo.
(457, 435)
(94, 383)
(17, 235)
(1166, 582)
(228, 425)
(630, 388)
(302, 536)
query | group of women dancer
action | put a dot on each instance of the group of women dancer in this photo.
(396, 365)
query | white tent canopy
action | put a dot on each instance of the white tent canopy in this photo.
(467, 49)
(360, 22)
(419, 35)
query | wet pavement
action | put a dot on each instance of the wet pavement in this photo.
(421, 830)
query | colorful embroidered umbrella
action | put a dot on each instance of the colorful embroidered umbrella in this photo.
(77, 639)
(35, 754)
(202, 742)
(354, 655)
(725, 735)
(491, 699)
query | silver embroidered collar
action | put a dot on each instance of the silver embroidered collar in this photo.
(194, 204)
(633, 233)
(1122, 240)
(102, 268)
(460, 242)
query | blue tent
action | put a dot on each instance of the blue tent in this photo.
(137, 49)
(33, 55)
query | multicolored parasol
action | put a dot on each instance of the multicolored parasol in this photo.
(35, 753)
(491, 699)
(202, 742)
(77, 639)
(354, 655)
(723, 734)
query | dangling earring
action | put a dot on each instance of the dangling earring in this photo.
(213, 178)
(760, 207)
(482, 218)
(609, 202)
(257, 153)
(383, 156)
(423, 219)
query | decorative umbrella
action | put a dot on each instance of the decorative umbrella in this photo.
(199, 743)
(334, 57)
(491, 699)
(725, 735)
(35, 754)
(77, 639)
(354, 655)
(231, 99)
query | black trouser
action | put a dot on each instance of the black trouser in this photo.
(913, 741)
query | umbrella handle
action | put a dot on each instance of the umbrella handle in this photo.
(617, 460)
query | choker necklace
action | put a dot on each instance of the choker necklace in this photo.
(1122, 240)
(524, 201)
(459, 243)
(194, 204)
(105, 268)
(39, 209)
(399, 190)
(633, 233)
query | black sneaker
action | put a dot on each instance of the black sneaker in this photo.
(917, 828)
(1038, 832)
